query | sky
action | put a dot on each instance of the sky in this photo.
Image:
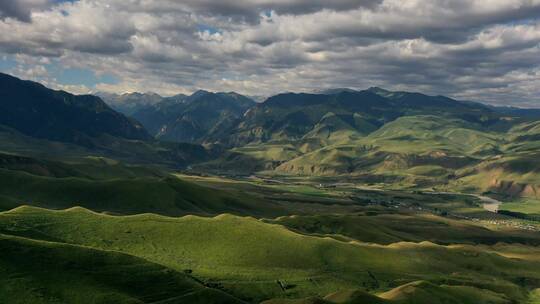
(481, 50)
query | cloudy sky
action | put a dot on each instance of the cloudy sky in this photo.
(483, 50)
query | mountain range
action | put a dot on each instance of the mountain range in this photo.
(381, 136)
(128, 103)
(41, 122)
(236, 120)
(195, 118)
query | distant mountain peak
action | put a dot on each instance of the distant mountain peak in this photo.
(129, 103)
(334, 91)
(258, 98)
(200, 93)
(178, 97)
(196, 117)
(139, 94)
(380, 91)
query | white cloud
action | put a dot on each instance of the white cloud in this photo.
(474, 49)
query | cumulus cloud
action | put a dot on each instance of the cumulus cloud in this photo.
(483, 50)
(20, 9)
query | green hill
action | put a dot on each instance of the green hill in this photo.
(431, 133)
(90, 167)
(425, 292)
(40, 272)
(407, 142)
(254, 260)
(412, 293)
(388, 228)
(512, 173)
(161, 194)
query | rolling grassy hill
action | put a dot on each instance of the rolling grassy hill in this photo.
(150, 153)
(35, 271)
(254, 260)
(105, 185)
(407, 142)
(412, 293)
(90, 167)
(387, 228)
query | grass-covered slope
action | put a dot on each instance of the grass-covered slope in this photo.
(292, 116)
(163, 194)
(40, 272)
(511, 174)
(425, 292)
(255, 260)
(418, 134)
(174, 155)
(90, 167)
(406, 143)
(388, 228)
(411, 293)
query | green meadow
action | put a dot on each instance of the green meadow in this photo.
(256, 260)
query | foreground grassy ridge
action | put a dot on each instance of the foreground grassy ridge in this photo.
(246, 256)
(534, 297)
(163, 195)
(40, 272)
(411, 293)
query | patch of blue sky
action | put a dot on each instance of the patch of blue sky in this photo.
(529, 21)
(78, 76)
(7, 63)
(207, 28)
(63, 12)
(267, 12)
